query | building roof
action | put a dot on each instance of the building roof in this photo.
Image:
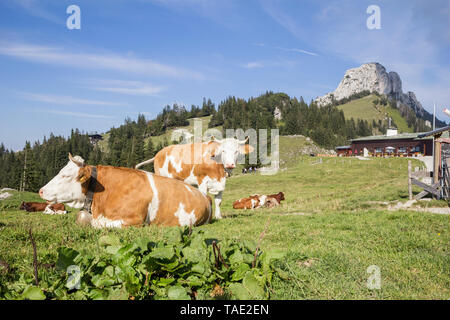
(434, 132)
(405, 135)
(343, 147)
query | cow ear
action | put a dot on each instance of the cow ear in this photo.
(213, 148)
(84, 174)
(246, 149)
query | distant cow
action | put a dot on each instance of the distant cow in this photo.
(252, 202)
(41, 206)
(128, 197)
(57, 208)
(258, 201)
(201, 164)
(278, 197)
(33, 206)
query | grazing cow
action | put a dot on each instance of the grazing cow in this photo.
(127, 197)
(201, 164)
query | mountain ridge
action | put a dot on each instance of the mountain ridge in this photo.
(373, 77)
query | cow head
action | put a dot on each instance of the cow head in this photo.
(66, 187)
(229, 149)
(22, 205)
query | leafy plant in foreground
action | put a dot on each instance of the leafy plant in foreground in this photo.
(183, 266)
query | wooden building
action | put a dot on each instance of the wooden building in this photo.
(394, 144)
(95, 138)
(344, 151)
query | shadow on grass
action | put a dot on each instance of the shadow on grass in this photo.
(237, 215)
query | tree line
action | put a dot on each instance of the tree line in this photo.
(326, 125)
(130, 143)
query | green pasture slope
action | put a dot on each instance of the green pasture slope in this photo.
(364, 109)
(166, 136)
(329, 227)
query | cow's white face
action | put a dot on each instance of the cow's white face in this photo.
(64, 187)
(229, 150)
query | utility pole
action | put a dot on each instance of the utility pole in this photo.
(435, 178)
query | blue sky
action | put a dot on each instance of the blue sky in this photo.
(136, 56)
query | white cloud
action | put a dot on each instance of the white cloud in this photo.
(65, 100)
(126, 64)
(36, 9)
(412, 40)
(297, 50)
(125, 87)
(253, 65)
(77, 114)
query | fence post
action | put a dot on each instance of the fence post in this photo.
(409, 180)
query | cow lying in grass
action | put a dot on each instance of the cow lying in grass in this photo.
(43, 207)
(258, 201)
(127, 197)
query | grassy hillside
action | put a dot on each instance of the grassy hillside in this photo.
(364, 109)
(157, 139)
(329, 228)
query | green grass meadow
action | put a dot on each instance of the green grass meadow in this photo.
(364, 109)
(330, 227)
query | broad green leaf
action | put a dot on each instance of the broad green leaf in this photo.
(109, 240)
(118, 294)
(236, 258)
(240, 272)
(66, 257)
(199, 268)
(113, 249)
(142, 244)
(252, 285)
(173, 235)
(178, 293)
(194, 255)
(97, 294)
(164, 282)
(239, 292)
(163, 253)
(269, 256)
(101, 281)
(194, 281)
(33, 293)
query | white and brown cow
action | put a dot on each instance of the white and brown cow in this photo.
(127, 197)
(201, 164)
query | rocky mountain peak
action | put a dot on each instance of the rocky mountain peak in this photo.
(372, 77)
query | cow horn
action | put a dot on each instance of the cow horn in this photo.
(215, 139)
(78, 163)
(243, 141)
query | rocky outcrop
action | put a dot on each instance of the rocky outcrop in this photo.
(372, 77)
(277, 114)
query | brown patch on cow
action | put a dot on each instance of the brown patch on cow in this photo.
(246, 203)
(192, 200)
(246, 149)
(125, 194)
(57, 207)
(195, 155)
(34, 206)
(271, 202)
